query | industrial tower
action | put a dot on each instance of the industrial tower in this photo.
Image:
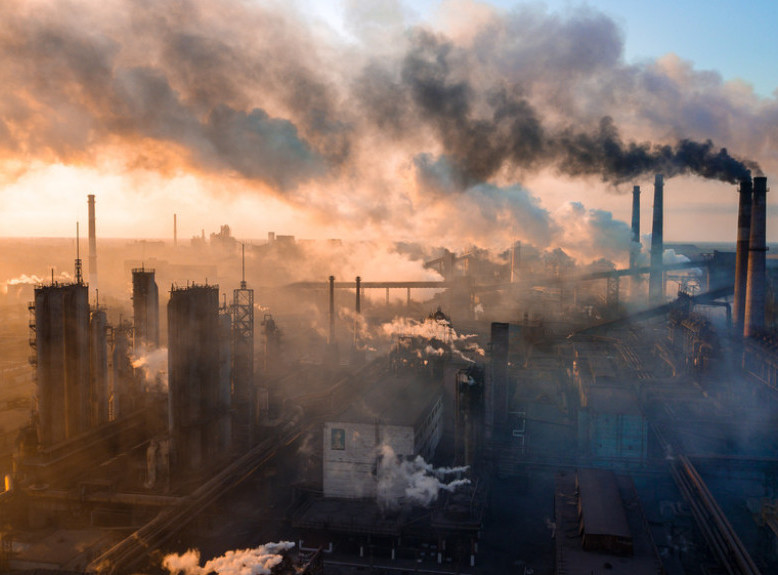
(244, 395)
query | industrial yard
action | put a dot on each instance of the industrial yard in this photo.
(511, 412)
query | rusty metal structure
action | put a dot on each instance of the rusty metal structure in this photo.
(244, 397)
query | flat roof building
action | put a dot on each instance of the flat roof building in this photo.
(402, 414)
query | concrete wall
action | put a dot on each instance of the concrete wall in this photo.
(351, 453)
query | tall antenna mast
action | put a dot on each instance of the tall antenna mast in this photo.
(79, 274)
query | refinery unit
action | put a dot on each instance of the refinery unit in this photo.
(517, 413)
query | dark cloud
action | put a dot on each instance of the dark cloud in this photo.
(72, 90)
(249, 89)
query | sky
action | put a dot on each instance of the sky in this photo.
(453, 122)
(736, 39)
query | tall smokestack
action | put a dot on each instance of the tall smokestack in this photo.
(757, 251)
(656, 284)
(741, 262)
(175, 230)
(332, 310)
(92, 245)
(635, 248)
(515, 261)
(78, 267)
(357, 354)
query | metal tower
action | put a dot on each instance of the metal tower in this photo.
(244, 398)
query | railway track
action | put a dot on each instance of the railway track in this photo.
(716, 529)
(130, 552)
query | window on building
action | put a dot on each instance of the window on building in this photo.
(338, 439)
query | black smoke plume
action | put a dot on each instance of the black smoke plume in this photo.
(509, 133)
(253, 91)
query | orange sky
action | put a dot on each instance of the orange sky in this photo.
(250, 116)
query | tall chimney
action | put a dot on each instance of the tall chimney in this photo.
(175, 230)
(741, 261)
(656, 284)
(515, 261)
(635, 248)
(757, 251)
(358, 302)
(78, 267)
(356, 353)
(332, 310)
(92, 245)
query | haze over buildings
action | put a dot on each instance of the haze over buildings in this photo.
(368, 298)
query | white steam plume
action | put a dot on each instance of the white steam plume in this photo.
(257, 561)
(413, 482)
(437, 331)
(33, 280)
(154, 366)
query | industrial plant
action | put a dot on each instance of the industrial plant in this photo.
(510, 412)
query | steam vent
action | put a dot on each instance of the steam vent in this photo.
(459, 290)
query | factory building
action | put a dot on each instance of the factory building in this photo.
(600, 526)
(611, 424)
(404, 415)
(62, 352)
(145, 309)
(384, 489)
(760, 360)
(198, 392)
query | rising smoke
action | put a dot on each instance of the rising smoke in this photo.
(153, 364)
(439, 335)
(258, 561)
(341, 128)
(415, 482)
